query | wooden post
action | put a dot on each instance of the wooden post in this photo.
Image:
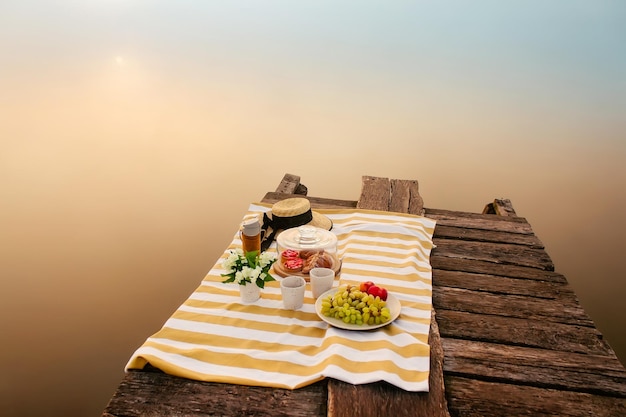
(290, 184)
(501, 207)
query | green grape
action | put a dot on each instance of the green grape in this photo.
(354, 306)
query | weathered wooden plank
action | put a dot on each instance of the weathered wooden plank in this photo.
(405, 197)
(504, 285)
(522, 332)
(290, 184)
(530, 366)
(509, 306)
(316, 202)
(345, 400)
(474, 398)
(484, 267)
(479, 221)
(481, 235)
(157, 394)
(375, 193)
(499, 253)
(501, 207)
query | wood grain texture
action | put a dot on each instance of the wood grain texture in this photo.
(405, 197)
(484, 267)
(531, 366)
(504, 285)
(482, 235)
(481, 302)
(503, 207)
(522, 332)
(503, 253)
(375, 193)
(290, 184)
(158, 394)
(479, 221)
(476, 398)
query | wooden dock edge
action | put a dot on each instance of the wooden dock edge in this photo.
(509, 365)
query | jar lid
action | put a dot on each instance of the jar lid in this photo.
(307, 237)
(251, 227)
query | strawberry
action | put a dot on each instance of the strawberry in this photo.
(376, 291)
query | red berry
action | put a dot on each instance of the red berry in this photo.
(374, 291)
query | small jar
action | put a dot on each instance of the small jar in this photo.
(251, 236)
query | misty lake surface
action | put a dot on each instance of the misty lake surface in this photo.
(134, 135)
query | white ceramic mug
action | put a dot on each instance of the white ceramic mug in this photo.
(321, 280)
(292, 290)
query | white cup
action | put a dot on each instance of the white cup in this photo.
(321, 280)
(292, 289)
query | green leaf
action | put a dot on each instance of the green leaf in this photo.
(231, 278)
(251, 257)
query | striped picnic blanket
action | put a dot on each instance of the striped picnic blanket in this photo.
(212, 336)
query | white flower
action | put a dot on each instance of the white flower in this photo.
(231, 261)
(265, 259)
(241, 270)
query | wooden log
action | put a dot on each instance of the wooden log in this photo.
(477, 398)
(346, 400)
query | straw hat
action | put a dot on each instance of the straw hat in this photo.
(291, 212)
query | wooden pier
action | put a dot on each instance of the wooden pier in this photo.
(508, 335)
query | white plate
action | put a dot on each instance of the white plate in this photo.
(392, 303)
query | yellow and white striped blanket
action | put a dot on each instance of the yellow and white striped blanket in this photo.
(212, 336)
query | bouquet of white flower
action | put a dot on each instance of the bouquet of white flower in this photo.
(249, 267)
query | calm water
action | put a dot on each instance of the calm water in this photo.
(134, 134)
